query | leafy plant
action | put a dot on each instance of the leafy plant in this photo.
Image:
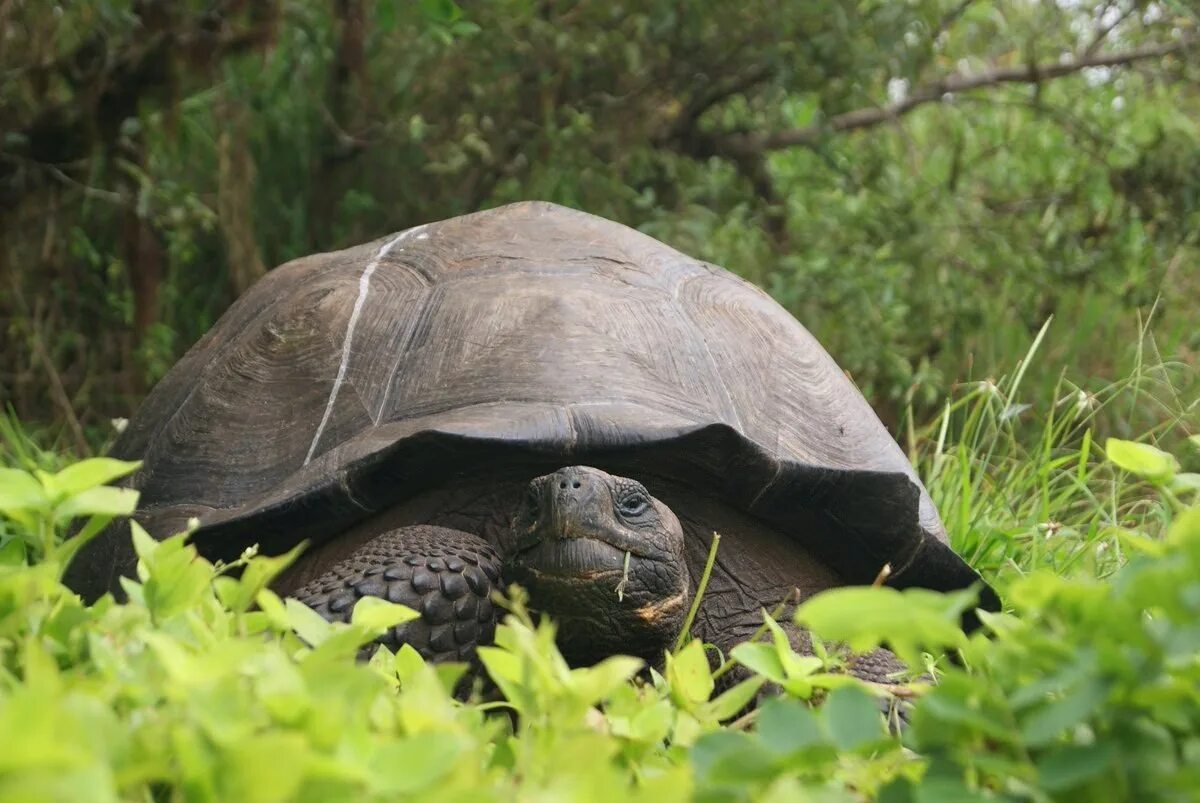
(205, 685)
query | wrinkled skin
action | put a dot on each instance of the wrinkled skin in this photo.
(595, 551)
(605, 559)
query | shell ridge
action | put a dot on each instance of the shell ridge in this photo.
(419, 329)
(727, 403)
(219, 351)
(364, 284)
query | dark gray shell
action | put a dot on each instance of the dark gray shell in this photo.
(532, 336)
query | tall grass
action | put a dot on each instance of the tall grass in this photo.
(1020, 477)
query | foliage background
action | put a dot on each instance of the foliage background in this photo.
(925, 184)
(156, 157)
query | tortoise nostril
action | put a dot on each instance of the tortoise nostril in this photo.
(562, 484)
(575, 484)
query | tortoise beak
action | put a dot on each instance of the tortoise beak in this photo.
(555, 507)
(568, 502)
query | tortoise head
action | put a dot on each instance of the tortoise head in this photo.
(605, 559)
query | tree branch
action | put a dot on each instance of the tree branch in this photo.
(955, 82)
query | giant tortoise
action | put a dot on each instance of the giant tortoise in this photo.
(535, 394)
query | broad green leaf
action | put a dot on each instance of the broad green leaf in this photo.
(651, 723)
(760, 658)
(407, 662)
(1186, 483)
(1044, 723)
(308, 624)
(414, 764)
(257, 575)
(794, 665)
(274, 608)
(174, 577)
(264, 768)
(1185, 530)
(144, 544)
(507, 672)
(12, 553)
(92, 473)
(19, 490)
(944, 789)
(732, 700)
(786, 726)
(443, 11)
(69, 548)
(595, 683)
(909, 621)
(1068, 766)
(730, 757)
(1142, 459)
(853, 718)
(379, 615)
(102, 501)
(689, 674)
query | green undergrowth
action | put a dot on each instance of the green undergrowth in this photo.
(1019, 476)
(207, 686)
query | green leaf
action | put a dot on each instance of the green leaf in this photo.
(102, 501)
(732, 700)
(1185, 530)
(853, 718)
(176, 578)
(407, 662)
(730, 757)
(308, 624)
(909, 621)
(257, 575)
(68, 549)
(1067, 767)
(689, 675)
(19, 490)
(413, 764)
(1142, 459)
(144, 545)
(91, 473)
(786, 726)
(760, 658)
(379, 615)
(1044, 723)
(794, 665)
(264, 768)
(12, 553)
(595, 683)
(507, 672)
(443, 11)
(271, 605)
(1186, 483)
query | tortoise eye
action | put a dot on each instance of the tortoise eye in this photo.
(634, 505)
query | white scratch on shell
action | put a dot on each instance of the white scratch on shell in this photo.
(364, 286)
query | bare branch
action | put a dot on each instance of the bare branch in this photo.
(934, 92)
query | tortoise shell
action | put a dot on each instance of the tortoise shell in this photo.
(529, 336)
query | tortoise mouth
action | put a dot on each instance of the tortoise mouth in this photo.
(581, 557)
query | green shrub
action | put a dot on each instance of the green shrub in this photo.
(207, 686)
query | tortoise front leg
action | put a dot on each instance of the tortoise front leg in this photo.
(447, 575)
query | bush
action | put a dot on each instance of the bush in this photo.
(208, 686)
